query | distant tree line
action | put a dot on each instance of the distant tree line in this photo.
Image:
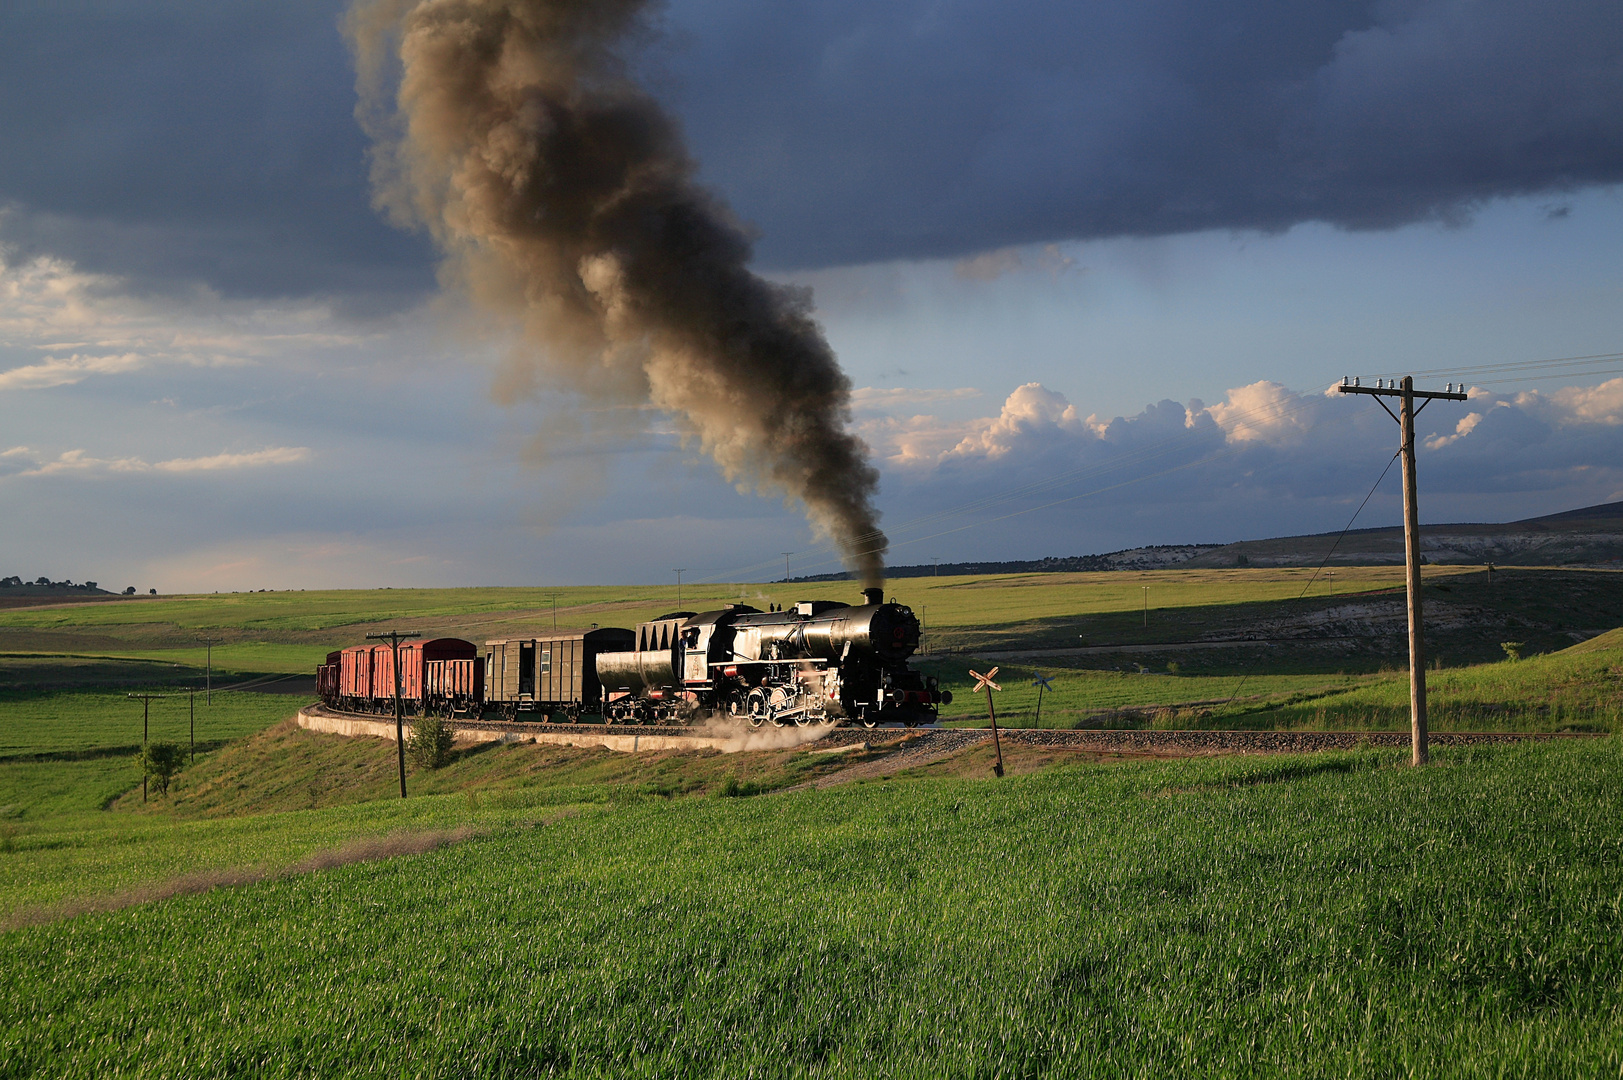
(45, 582)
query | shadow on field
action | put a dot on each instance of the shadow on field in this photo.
(1274, 773)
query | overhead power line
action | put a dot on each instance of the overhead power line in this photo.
(1558, 367)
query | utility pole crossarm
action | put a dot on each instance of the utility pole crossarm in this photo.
(1397, 392)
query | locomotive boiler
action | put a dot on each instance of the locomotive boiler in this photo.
(815, 662)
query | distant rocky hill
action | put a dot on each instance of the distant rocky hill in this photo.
(1591, 536)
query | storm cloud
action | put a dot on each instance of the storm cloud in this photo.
(904, 130)
(183, 140)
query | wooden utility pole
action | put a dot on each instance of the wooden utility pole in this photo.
(393, 638)
(1406, 395)
(146, 704)
(208, 661)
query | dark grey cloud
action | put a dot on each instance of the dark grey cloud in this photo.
(857, 131)
(179, 141)
(199, 140)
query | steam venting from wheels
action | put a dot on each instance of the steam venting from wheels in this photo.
(562, 195)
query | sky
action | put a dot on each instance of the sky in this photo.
(1089, 267)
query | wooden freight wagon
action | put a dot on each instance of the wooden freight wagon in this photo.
(553, 674)
(327, 676)
(355, 678)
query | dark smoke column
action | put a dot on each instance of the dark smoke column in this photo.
(563, 194)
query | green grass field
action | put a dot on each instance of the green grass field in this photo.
(1328, 916)
(536, 910)
(1576, 689)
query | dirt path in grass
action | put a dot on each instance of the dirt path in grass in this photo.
(365, 849)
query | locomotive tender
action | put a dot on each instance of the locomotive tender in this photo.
(820, 661)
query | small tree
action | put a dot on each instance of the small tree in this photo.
(431, 741)
(1513, 649)
(162, 761)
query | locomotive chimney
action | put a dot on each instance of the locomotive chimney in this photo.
(874, 596)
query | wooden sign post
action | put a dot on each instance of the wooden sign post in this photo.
(1041, 684)
(984, 682)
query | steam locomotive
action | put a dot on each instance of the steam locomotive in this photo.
(819, 661)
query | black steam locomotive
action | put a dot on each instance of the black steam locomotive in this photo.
(820, 661)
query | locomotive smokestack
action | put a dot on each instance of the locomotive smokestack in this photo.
(873, 596)
(562, 195)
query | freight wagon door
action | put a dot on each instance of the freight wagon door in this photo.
(549, 674)
(526, 668)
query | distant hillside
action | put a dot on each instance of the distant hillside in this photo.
(1590, 536)
(1156, 557)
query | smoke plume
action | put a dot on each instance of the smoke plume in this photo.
(563, 195)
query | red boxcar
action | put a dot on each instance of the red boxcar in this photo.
(327, 677)
(435, 674)
(355, 675)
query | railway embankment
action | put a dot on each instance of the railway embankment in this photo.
(631, 739)
(1190, 743)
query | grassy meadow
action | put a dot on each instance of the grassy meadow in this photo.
(1578, 689)
(537, 910)
(1337, 915)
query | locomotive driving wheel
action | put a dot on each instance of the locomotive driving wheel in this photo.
(758, 708)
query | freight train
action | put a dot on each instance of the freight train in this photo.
(819, 661)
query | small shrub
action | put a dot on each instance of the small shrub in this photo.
(431, 741)
(161, 762)
(739, 789)
(1513, 649)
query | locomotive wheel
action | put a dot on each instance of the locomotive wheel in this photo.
(759, 708)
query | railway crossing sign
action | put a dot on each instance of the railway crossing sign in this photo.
(1041, 683)
(984, 682)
